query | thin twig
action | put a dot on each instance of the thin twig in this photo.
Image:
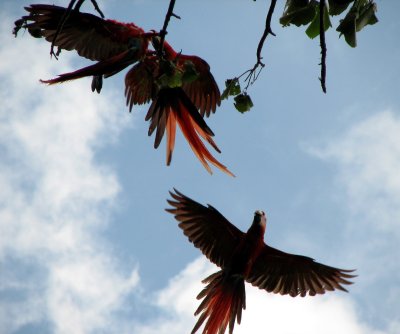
(95, 5)
(267, 30)
(65, 17)
(252, 74)
(322, 44)
(60, 26)
(163, 31)
(97, 8)
(78, 5)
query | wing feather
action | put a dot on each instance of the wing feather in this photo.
(284, 273)
(205, 227)
(203, 91)
(91, 36)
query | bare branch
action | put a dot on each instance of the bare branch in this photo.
(95, 5)
(267, 31)
(78, 5)
(163, 31)
(322, 44)
(97, 8)
(252, 74)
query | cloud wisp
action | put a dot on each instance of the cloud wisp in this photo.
(368, 157)
(266, 313)
(55, 198)
(367, 161)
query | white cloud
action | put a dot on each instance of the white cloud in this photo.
(265, 313)
(367, 161)
(368, 158)
(55, 198)
(177, 301)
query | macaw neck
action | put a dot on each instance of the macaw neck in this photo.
(169, 51)
(256, 230)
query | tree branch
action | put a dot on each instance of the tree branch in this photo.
(163, 31)
(252, 75)
(97, 8)
(95, 5)
(322, 44)
(267, 31)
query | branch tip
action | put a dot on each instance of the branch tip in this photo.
(322, 45)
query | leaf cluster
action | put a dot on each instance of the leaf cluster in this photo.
(243, 102)
(306, 12)
(360, 13)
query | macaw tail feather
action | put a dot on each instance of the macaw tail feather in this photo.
(224, 298)
(173, 106)
(107, 68)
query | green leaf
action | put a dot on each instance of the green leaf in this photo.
(232, 87)
(347, 27)
(360, 14)
(243, 102)
(337, 7)
(298, 12)
(366, 16)
(313, 29)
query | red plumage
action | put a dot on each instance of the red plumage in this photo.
(181, 87)
(224, 298)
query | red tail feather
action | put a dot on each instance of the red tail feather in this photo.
(191, 130)
(172, 106)
(224, 299)
(171, 131)
(107, 67)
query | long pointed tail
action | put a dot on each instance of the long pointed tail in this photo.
(173, 106)
(107, 67)
(224, 298)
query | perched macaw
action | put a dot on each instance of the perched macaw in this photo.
(181, 87)
(245, 257)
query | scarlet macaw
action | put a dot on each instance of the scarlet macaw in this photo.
(181, 87)
(245, 257)
(113, 44)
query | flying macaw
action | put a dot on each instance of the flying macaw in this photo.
(245, 257)
(181, 87)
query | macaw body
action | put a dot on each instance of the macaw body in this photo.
(176, 98)
(181, 88)
(245, 257)
(203, 90)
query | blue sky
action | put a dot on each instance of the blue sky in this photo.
(85, 243)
